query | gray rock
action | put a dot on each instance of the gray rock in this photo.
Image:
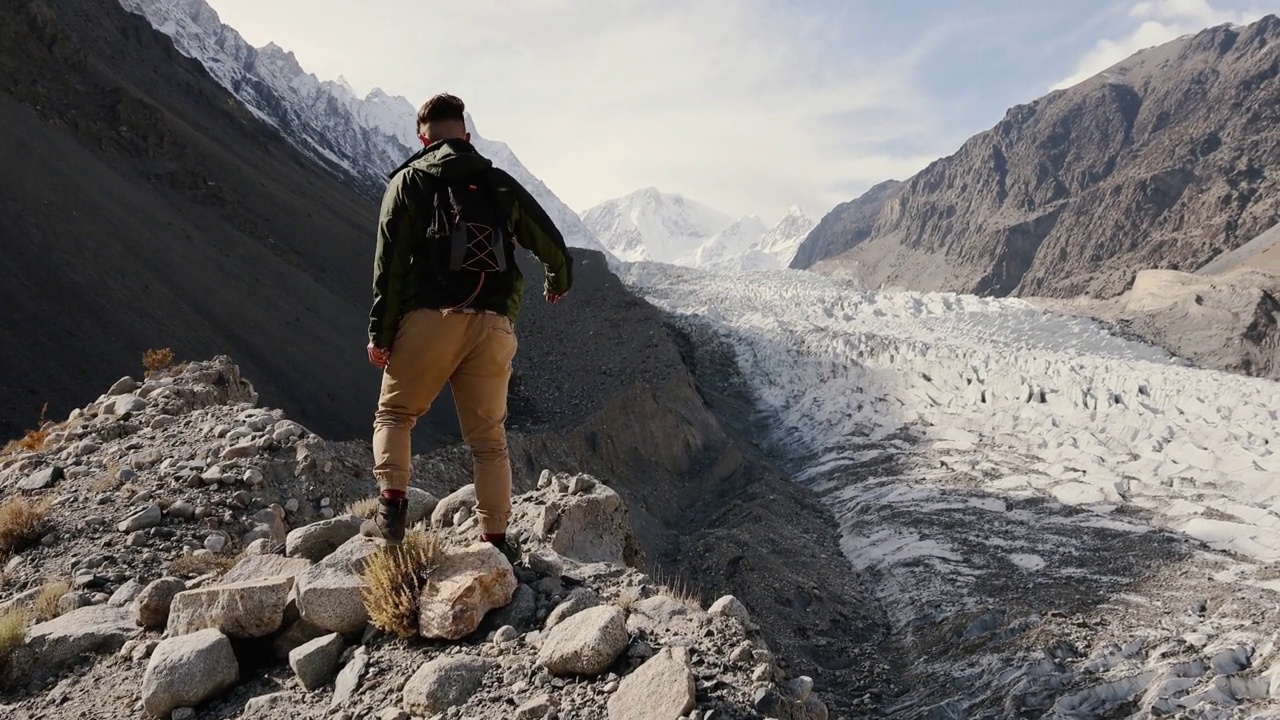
(444, 683)
(446, 509)
(151, 609)
(801, 688)
(137, 539)
(163, 421)
(184, 713)
(580, 598)
(661, 613)
(317, 540)
(586, 643)
(53, 645)
(261, 546)
(216, 542)
(316, 661)
(43, 479)
(84, 448)
(344, 688)
(126, 594)
(661, 689)
(73, 601)
(768, 703)
(743, 654)
(267, 707)
(250, 609)
(182, 510)
(590, 528)
(240, 452)
(506, 634)
(188, 670)
(815, 709)
(536, 708)
(298, 634)
(730, 607)
(579, 484)
(421, 504)
(521, 613)
(142, 518)
(261, 567)
(124, 405)
(330, 592)
(123, 386)
(253, 477)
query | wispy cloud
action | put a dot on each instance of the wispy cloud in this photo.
(1151, 23)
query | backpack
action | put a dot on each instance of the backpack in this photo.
(469, 234)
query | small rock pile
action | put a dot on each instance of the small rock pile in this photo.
(280, 627)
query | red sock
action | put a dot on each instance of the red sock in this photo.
(493, 537)
(391, 494)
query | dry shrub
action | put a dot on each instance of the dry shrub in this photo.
(21, 523)
(46, 602)
(32, 440)
(366, 508)
(394, 578)
(678, 590)
(108, 481)
(13, 632)
(196, 565)
(155, 360)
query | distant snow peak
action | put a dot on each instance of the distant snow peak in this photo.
(650, 225)
(362, 139)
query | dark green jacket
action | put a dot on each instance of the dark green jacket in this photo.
(404, 279)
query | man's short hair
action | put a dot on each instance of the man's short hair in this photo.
(442, 107)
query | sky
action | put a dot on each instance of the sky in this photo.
(750, 106)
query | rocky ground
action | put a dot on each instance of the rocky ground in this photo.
(214, 570)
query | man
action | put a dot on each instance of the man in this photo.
(446, 298)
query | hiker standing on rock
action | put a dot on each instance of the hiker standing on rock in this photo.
(447, 292)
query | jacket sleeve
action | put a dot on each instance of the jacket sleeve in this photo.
(397, 225)
(535, 230)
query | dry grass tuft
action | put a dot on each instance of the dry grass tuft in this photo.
(33, 440)
(188, 566)
(681, 592)
(394, 579)
(46, 603)
(155, 360)
(365, 508)
(13, 632)
(108, 481)
(21, 523)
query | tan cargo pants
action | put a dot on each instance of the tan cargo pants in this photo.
(473, 353)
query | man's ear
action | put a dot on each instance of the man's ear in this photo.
(425, 140)
(467, 136)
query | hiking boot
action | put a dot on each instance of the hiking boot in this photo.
(507, 544)
(390, 521)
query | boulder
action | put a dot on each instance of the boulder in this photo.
(123, 386)
(586, 643)
(344, 688)
(730, 607)
(151, 609)
(124, 404)
(316, 541)
(662, 688)
(663, 614)
(590, 527)
(466, 586)
(42, 479)
(580, 598)
(188, 670)
(421, 504)
(443, 513)
(53, 645)
(521, 613)
(330, 592)
(267, 707)
(261, 567)
(444, 683)
(142, 518)
(126, 594)
(315, 662)
(298, 633)
(250, 609)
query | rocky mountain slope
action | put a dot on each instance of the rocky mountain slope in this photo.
(362, 139)
(649, 225)
(1164, 161)
(845, 227)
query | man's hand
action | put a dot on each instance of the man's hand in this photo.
(379, 357)
(554, 298)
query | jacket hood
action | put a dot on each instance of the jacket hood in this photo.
(448, 159)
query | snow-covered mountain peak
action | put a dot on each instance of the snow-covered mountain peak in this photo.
(362, 139)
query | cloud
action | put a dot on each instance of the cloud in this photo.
(1152, 23)
(749, 106)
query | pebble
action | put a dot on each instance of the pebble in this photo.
(137, 539)
(216, 543)
(292, 505)
(253, 477)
